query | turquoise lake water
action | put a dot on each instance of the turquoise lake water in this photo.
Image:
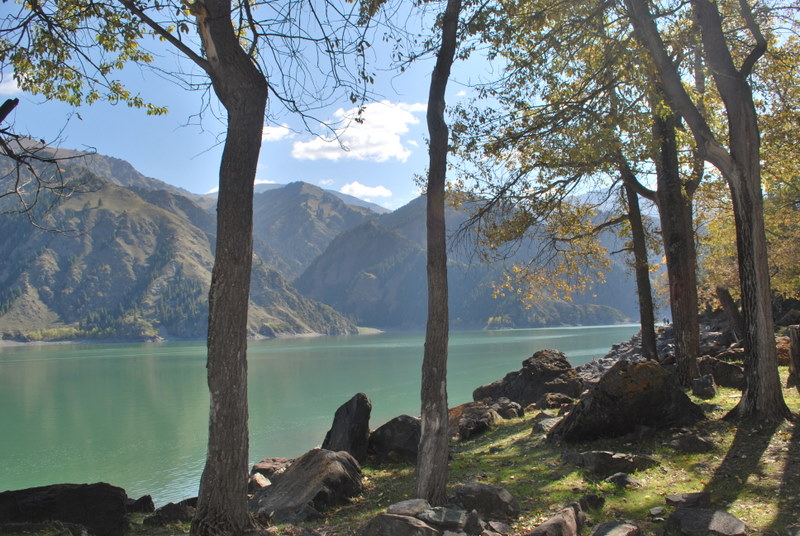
(136, 415)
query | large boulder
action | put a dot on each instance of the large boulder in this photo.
(491, 502)
(705, 522)
(316, 480)
(546, 371)
(725, 374)
(350, 429)
(397, 439)
(397, 525)
(566, 522)
(271, 468)
(100, 507)
(629, 395)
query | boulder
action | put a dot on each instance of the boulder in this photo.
(350, 429)
(591, 501)
(491, 502)
(554, 400)
(444, 518)
(603, 462)
(257, 482)
(271, 468)
(704, 387)
(142, 505)
(616, 528)
(545, 425)
(783, 348)
(566, 522)
(546, 371)
(397, 439)
(629, 395)
(100, 507)
(471, 419)
(691, 444)
(397, 525)
(170, 513)
(700, 499)
(623, 480)
(410, 507)
(725, 374)
(318, 479)
(704, 522)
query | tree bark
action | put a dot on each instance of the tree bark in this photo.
(677, 233)
(242, 89)
(794, 357)
(432, 458)
(642, 270)
(734, 316)
(740, 165)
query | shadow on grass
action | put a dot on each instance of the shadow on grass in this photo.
(741, 461)
(788, 513)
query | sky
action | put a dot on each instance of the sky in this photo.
(379, 161)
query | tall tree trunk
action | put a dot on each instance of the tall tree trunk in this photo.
(433, 451)
(734, 316)
(642, 269)
(740, 165)
(242, 89)
(675, 211)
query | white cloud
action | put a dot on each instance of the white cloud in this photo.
(8, 86)
(277, 133)
(413, 143)
(215, 189)
(377, 138)
(264, 181)
(361, 191)
(461, 93)
(326, 182)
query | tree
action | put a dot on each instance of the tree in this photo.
(433, 454)
(739, 163)
(69, 50)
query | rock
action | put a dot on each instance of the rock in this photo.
(545, 425)
(397, 525)
(142, 505)
(783, 347)
(271, 468)
(474, 525)
(350, 429)
(100, 507)
(657, 511)
(689, 500)
(58, 528)
(318, 479)
(616, 528)
(411, 507)
(566, 522)
(546, 371)
(627, 396)
(170, 513)
(603, 462)
(257, 482)
(398, 438)
(491, 502)
(553, 400)
(623, 480)
(691, 444)
(703, 522)
(704, 387)
(725, 374)
(591, 501)
(444, 518)
(471, 419)
(499, 527)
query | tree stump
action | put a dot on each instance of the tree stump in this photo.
(794, 357)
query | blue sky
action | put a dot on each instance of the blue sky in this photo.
(382, 155)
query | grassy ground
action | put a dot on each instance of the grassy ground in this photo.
(753, 473)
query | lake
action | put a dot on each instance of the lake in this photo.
(136, 415)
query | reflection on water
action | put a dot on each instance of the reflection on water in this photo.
(136, 415)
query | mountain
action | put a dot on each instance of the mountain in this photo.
(376, 273)
(131, 263)
(293, 224)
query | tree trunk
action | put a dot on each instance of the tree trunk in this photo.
(675, 211)
(734, 316)
(242, 89)
(642, 269)
(794, 357)
(433, 450)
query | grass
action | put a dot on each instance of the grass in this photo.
(753, 473)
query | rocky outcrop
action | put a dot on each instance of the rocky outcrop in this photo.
(546, 371)
(142, 505)
(350, 429)
(318, 479)
(705, 522)
(397, 439)
(170, 513)
(474, 418)
(725, 374)
(627, 396)
(491, 502)
(100, 507)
